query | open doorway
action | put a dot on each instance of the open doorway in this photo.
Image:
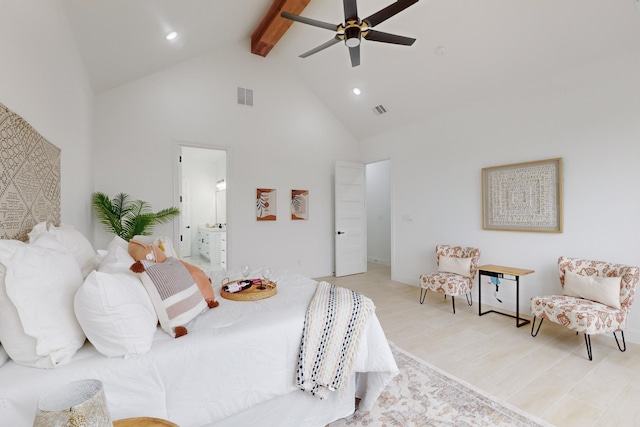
(378, 206)
(203, 214)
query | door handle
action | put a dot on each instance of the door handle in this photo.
(340, 232)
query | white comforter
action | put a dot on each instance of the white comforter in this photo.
(235, 358)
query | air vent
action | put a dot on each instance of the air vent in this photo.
(379, 109)
(245, 96)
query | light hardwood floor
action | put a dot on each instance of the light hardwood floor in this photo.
(548, 376)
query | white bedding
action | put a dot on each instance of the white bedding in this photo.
(236, 366)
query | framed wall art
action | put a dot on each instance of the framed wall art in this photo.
(266, 204)
(299, 204)
(523, 196)
(29, 177)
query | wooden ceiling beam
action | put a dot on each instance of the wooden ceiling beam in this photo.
(273, 26)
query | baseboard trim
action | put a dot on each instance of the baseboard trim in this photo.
(407, 281)
(380, 261)
(632, 335)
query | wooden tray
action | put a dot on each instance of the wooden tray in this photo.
(143, 422)
(250, 294)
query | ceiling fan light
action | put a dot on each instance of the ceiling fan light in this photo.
(352, 36)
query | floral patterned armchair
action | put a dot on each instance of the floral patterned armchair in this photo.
(457, 268)
(586, 314)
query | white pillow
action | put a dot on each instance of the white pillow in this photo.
(4, 357)
(73, 240)
(11, 333)
(116, 314)
(461, 266)
(174, 294)
(605, 290)
(42, 227)
(38, 326)
(117, 241)
(117, 258)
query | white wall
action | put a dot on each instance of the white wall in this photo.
(42, 79)
(288, 140)
(589, 117)
(378, 179)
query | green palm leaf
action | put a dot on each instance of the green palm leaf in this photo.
(127, 218)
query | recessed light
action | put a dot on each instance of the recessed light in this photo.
(357, 91)
(172, 35)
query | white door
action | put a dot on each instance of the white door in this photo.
(350, 218)
(185, 220)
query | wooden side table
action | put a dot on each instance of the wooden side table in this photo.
(143, 422)
(503, 272)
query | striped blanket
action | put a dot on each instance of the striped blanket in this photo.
(333, 324)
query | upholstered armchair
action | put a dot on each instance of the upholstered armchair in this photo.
(596, 299)
(457, 268)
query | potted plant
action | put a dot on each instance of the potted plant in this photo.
(126, 217)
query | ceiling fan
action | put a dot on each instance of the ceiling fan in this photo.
(354, 28)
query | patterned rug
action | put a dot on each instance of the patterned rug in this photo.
(422, 395)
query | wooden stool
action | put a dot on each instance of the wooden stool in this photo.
(143, 422)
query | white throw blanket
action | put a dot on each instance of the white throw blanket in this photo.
(334, 321)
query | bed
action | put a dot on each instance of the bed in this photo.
(237, 364)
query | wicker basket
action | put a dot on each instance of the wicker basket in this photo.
(253, 293)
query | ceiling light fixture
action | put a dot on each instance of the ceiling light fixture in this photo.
(172, 35)
(357, 91)
(352, 36)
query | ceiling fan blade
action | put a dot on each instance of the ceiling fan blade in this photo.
(321, 47)
(309, 21)
(379, 36)
(350, 10)
(386, 13)
(354, 53)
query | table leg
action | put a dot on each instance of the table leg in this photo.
(517, 301)
(519, 322)
(479, 293)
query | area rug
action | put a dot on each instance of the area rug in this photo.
(423, 395)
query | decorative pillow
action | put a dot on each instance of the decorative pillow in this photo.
(164, 243)
(461, 266)
(142, 250)
(174, 293)
(73, 240)
(115, 313)
(605, 290)
(150, 252)
(38, 326)
(204, 284)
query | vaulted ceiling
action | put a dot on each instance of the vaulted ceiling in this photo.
(466, 50)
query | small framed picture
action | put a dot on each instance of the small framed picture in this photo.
(266, 204)
(299, 204)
